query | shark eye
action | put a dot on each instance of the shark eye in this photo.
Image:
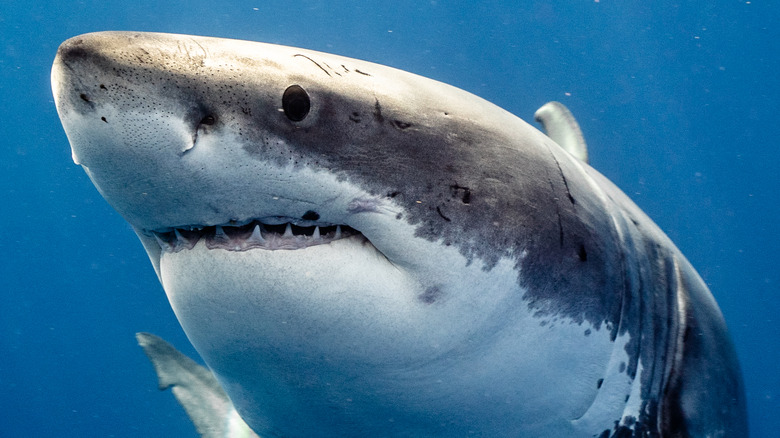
(296, 103)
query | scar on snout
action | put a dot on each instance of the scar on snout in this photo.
(363, 205)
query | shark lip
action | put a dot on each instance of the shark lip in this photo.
(268, 233)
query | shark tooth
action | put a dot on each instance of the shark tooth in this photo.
(257, 236)
(165, 246)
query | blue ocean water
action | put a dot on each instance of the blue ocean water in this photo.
(678, 102)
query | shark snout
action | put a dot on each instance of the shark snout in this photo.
(67, 80)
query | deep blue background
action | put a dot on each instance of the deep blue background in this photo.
(678, 102)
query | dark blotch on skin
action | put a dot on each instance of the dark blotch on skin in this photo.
(627, 431)
(310, 216)
(599, 383)
(582, 253)
(84, 97)
(104, 119)
(378, 112)
(431, 295)
(401, 125)
(587, 332)
(355, 117)
(466, 197)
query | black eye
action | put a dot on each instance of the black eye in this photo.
(296, 103)
(208, 120)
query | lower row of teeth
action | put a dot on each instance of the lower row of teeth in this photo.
(255, 235)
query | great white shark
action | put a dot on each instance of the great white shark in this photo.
(356, 250)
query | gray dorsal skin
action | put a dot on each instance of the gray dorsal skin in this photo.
(561, 126)
(356, 250)
(196, 389)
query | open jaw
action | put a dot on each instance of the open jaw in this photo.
(268, 233)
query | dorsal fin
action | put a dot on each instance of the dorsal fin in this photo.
(561, 126)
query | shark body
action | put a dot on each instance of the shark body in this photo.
(359, 251)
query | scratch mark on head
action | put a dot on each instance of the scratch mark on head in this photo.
(315, 63)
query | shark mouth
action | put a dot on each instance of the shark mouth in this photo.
(271, 233)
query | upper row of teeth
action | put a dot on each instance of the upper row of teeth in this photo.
(267, 220)
(175, 241)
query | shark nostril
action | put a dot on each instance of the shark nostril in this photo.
(310, 216)
(208, 120)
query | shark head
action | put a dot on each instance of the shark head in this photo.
(182, 133)
(358, 250)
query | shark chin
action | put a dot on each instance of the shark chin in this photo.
(281, 304)
(356, 251)
(285, 300)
